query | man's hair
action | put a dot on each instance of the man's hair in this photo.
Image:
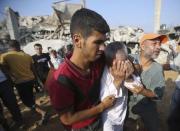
(84, 21)
(112, 49)
(49, 48)
(69, 47)
(37, 44)
(14, 44)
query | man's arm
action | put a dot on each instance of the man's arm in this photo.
(143, 91)
(147, 93)
(68, 118)
(33, 69)
(49, 60)
(51, 64)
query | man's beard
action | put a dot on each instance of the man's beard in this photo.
(99, 54)
(150, 56)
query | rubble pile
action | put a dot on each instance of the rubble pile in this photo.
(33, 28)
(43, 27)
(55, 44)
(126, 34)
(4, 36)
(30, 29)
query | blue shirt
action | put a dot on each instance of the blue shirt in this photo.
(2, 76)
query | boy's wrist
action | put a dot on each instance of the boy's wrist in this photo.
(117, 83)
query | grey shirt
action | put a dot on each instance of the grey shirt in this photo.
(152, 79)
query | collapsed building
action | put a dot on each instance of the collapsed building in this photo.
(4, 36)
(129, 35)
(51, 28)
(31, 29)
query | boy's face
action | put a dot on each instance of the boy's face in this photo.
(91, 45)
(121, 56)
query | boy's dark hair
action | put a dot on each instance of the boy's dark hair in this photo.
(37, 44)
(84, 21)
(112, 49)
(14, 44)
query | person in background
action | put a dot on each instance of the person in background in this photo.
(9, 100)
(152, 77)
(49, 49)
(69, 50)
(55, 59)
(41, 63)
(20, 66)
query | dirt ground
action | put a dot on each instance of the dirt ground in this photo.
(31, 119)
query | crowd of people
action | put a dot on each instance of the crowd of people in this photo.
(25, 73)
(92, 86)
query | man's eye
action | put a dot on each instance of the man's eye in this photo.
(98, 43)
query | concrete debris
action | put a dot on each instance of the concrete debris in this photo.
(65, 11)
(56, 27)
(33, 28)
(55, 44)
(127, 34)
(4, 36)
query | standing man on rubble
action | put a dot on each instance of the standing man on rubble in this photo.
(144, 104)
(42, 61)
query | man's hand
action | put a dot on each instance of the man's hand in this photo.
(108, 101)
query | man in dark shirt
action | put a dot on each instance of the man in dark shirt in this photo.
(41, 61)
